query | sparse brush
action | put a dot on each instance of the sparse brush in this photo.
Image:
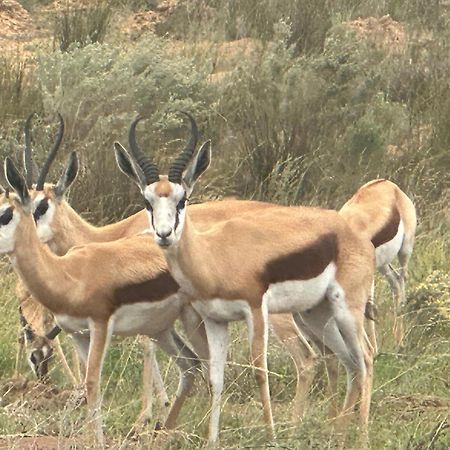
(81, 25)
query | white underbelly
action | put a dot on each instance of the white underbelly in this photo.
(300, 295)
(72, 324)
(137, 318)
(386, 252)
(223, 310)
(147, 318)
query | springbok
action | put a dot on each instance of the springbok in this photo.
(128, 295)
(62, 228)
(382, 213)
(38, 333)
(305, 261)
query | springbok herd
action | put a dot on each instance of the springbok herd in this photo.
(305, 273)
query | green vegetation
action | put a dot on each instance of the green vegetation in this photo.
(302, 109)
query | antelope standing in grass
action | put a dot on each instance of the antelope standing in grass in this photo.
(382, 213)
(128, 295)
(38, 333)
(62, 228)
(298, 260)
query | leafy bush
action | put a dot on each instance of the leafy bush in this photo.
(99, 89)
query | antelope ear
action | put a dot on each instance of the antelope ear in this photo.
(68, 176)
(199, 164)
(17, 182)
(129, 167)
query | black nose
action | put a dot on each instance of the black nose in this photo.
(164, 234)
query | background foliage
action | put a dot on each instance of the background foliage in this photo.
(302, 107)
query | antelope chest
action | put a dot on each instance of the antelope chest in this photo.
(386, 252)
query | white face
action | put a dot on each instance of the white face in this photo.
(166, 208)
(9, 218)
(43, 209)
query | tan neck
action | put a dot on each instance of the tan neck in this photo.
(43, 272)
(72, 229)
(184, 258)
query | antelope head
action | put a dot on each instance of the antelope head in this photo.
(165, 196)
(13, 207)
(46, 197)
(39, 348)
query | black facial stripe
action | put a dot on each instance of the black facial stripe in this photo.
(180, 206)
(6, 217)
(41, 209)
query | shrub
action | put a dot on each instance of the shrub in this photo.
(99, 89)
(81, 25)
(429, 303)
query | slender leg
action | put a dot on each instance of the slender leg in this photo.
(370, 322)
(188, 364)
(395, 285)
(348, 347)
(151, 378)
(100, 333)
(76, 364)
(62, 357)
(332, 368)
(19, 354)
(217, 333)
(158, 382)
(196, 333)
(288, 333)
(258, 343)
(147, 385)
(82, 342)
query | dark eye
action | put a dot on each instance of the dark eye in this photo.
(41, 209)
(147, 205)
(6, 217)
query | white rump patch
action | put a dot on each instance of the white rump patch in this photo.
(300, 295)
(386, 252)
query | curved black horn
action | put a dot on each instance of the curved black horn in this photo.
(51, 155)
(182, 160)
(149, 168)
(27, 158)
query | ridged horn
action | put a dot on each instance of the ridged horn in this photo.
(149, 168)
(27, 157)
(182, 160)
(51, 155)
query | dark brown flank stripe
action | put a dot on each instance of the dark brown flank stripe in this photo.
(303, 264)
(152, 290)
(389, 230)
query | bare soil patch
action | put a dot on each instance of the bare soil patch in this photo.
(383, 32)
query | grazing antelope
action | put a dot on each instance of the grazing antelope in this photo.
(129, 294)
(300, 260)
(381, 212)
(39, 336)
(62, 228)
